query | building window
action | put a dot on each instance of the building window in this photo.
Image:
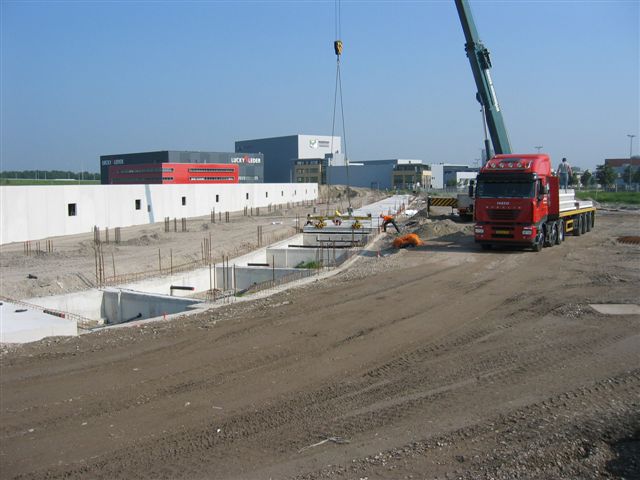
(266, 194)
(211, 179)
(217, 198)
(246, 196)
(211, 170)
(184, 201)
(138, 204)
(71, 209)
(282, 193)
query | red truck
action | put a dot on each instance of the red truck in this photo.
(518, 201)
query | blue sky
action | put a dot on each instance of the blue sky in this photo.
(83, 79)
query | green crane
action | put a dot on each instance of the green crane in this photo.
(480, 65)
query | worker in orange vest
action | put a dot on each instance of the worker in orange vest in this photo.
(388, 219)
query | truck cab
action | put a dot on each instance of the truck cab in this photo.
(513, 201)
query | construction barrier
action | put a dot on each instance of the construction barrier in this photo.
(443, 202)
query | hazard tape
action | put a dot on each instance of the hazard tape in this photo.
(443, 202)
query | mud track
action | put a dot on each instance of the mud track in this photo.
(442, 361)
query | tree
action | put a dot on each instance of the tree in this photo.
(627, 174)
(605, 175)
(585, 179)
(574, 180)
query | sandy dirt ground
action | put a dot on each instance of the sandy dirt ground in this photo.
(144, 249)
(442, 361)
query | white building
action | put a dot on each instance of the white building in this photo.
(280, 152)
(443, 173)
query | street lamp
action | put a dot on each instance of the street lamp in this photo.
(539, 147)
(630, 144)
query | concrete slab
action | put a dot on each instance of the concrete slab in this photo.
(616, 308)
(19, 324)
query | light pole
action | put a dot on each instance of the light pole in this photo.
(539, 147)
(630, 144)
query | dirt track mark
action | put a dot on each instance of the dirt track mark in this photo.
(504, 433)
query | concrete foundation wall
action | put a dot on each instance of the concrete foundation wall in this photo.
(122, 306)
(86, 303)
(36, 212)
(341, 239)
(21, 325)
(247, 276)
(291, 257)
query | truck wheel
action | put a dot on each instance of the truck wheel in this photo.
(588, 222)
(584, 223)
(560, 231)
(550, 234)
(577, 225)
(486, 246)
(593, 219)
(540, 240)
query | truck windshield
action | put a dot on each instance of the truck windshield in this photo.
(505, 190)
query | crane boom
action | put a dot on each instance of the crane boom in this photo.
(480, 65)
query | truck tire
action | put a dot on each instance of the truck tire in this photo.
(584, 223)
(486, 246)
(593, 219)
(588, 222)
(550, 234)
(577, 225)
(560, 230)
(537, 247)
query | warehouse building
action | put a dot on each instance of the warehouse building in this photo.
(619, 166)
(281, 153)
(446, 174)
(213, 167)
(167, 173)
(384, 174)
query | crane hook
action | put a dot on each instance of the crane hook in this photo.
(337, 47)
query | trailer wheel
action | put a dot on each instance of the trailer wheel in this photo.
(584, 223)
(560, 231)
(577, 225)
(593, 219)
(588, 222)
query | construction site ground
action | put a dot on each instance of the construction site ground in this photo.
(442, 361)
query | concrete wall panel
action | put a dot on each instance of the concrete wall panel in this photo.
(36, 212)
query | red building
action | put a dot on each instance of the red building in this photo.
(173, 173)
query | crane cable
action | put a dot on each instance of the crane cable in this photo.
(337, 48)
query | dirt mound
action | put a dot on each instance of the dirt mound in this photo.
(437, 226)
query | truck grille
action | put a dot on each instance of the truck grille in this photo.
(503, 214)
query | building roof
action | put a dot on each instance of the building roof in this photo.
(621, 162)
